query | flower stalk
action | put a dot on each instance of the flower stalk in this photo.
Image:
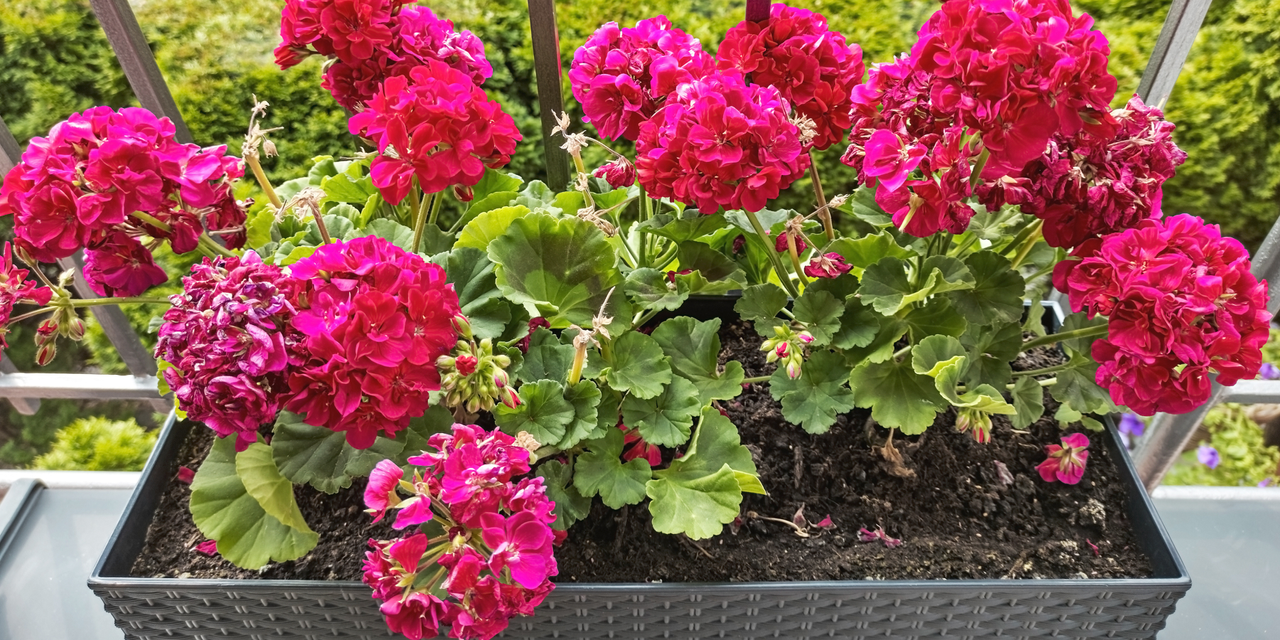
(780, 270)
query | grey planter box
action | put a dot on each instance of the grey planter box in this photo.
(262, 609)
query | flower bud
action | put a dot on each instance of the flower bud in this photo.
(462, 326)
(46, 353)
(510, 398)
(793, 370)
(463, 193)
(74, 329)
(781, 350)
(500, 379)
(466, 364)
(502, 361)
(269, 149)
(473, 405)
(805, 337)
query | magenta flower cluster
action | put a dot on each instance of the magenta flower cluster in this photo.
(1013, 73)
(368, 41)
(375, 318)
(1105, 178)
(347, 337)
(103, 180)
(436, 125)
(719, 142)
(494, 559)
(1181, 303)
(811, 65)
(230, 343)
(622, 76)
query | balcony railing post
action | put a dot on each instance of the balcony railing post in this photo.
(548, 68)
(139, 64)
(1178, 34)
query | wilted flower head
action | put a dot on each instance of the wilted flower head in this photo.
(230, 343)
(622, 75)
(719, 142)
(795, 52)
(827, 265)
(1065, 463)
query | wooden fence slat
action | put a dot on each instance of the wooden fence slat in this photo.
(549, 71)
(139, 64)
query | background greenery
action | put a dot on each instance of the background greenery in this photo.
(216, 55)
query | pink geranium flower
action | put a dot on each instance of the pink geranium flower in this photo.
(1066, 462)
(522, 544)
(380, 494)
(828, 265)
(890, 160)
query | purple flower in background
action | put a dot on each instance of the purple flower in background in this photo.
(1131, 426)
(1269, 371)
(1266, 482)
(1208, 456)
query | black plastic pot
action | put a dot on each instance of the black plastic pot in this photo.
(260, 609)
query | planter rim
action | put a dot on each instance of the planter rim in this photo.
(1176, 577)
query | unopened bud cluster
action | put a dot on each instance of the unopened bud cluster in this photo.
(473, 376)
(977, 423)
(787, 349)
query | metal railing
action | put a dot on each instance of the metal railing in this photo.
(1168, 434)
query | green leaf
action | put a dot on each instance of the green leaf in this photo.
(1078, 388)
(711, 263)
(495, 181)
(815, 399)
(767, 217)
(702, 490)
(637, 365)
(990, 352)
(863, 205)
(547, 358)
(287, 254)
(1081, 321)
(867, 250)
(478, 233)
(564, 268)
(820, 312)
(694, 350)
(897, 396)
(258, 228)
(571, 506)
(344, 188)
(338, 226)
(599, 471)
(318, 456)
(666, 419)
(936, 317)
(262, 480)
(1028, 399)
(761, 304)
(696, 505)
(951, 275)
(472, 276)
(650, 289)
(609, 413)
(887, 287)
(931, 355)
(223, 510)
(689, 225)
(858, 326)
(997, 291)
(585, 398)
(323, 167)
(437, 419)
(882, 345)
(393, 232)
(543, 412)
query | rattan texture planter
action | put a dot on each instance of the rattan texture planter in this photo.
(272, 609)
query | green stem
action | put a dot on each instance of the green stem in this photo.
(1086, 332)
(262, 181)
(420, 221)
(217, 249)
(824, 213)
(644, 316)
(151, 220)
(968, 242)
(756, 379)
(976, 176)
(666, 256)
(98, 302)
(773, 256)
(1039, 372)
(902, 352)
(437, 203)
(1030, 242)
(30, 314)
(795, 259)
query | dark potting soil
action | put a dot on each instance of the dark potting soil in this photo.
(954, 515)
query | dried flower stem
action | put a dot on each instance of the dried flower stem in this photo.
(824, 212)
(252, 161)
